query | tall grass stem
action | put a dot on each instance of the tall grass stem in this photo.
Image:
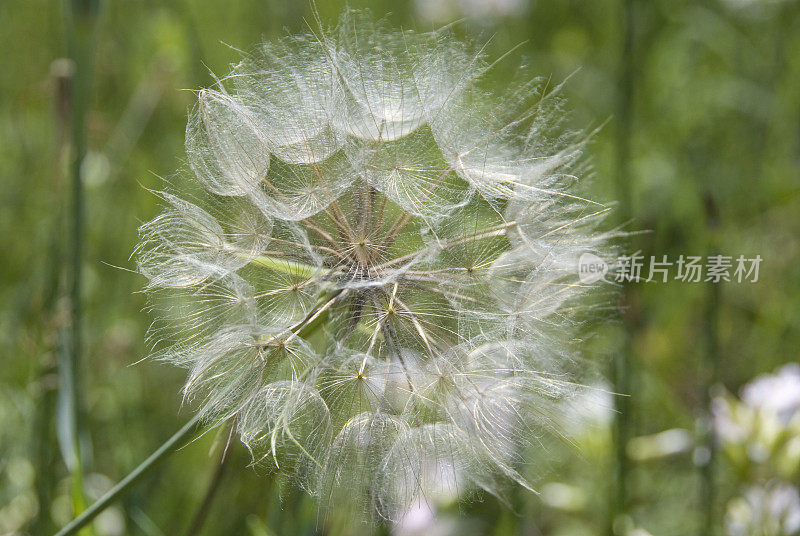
(181, 438)
(79, 19)
(623, 361)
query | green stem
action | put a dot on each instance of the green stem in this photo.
(623, 362)
(80, 17)
(173, 443)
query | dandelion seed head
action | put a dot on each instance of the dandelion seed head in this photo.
(375, 279)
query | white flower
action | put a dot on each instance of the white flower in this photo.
(777, 393)
(773, 509)
(764, 425)
(377, 279)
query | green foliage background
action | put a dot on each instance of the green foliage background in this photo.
(713, 127)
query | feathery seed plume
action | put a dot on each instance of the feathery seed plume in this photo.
(377, 278)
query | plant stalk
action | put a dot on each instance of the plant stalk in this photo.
(178, 440)
(79, 20)
(623, 373)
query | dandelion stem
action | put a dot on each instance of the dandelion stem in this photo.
(623, 361)
(180, 438)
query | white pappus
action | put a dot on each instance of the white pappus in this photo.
(376, 279)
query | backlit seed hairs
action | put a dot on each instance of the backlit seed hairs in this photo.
(377, 279)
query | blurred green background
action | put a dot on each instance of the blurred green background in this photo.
(701, 148)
